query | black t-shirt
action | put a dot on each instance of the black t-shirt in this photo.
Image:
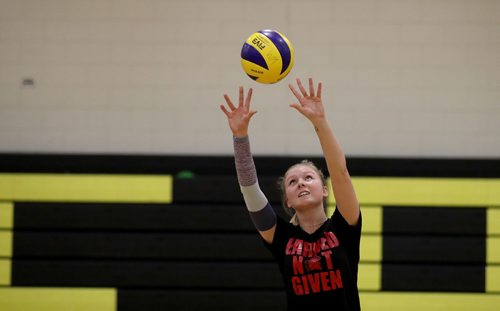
(319, 269)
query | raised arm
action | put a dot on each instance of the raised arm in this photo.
(311, 106)
(261, 212)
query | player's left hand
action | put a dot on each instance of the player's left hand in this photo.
(310, 104)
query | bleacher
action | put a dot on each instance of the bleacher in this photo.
(172, 233)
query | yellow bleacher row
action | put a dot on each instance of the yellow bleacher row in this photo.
(105, 299)
(372, 192)
(456, 192)
(432, 192)
(57, 299)
(86, 188)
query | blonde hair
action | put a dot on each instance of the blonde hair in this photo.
(282, 187)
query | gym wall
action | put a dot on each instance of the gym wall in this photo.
(401, 78)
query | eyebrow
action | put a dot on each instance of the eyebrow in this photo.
(310, 171)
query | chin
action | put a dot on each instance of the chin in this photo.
(308, 205)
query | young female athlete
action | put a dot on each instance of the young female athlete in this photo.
(318, 256)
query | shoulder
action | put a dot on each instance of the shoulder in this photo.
(284, 228)
(345, 229)
(338, 219)
(282, 232)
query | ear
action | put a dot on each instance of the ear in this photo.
(325, 191)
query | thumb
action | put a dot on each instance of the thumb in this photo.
(297, 107)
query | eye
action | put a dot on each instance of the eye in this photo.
(309, 177)
(291, 182)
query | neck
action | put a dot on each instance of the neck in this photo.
(311, 220)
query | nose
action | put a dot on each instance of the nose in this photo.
(300, 184)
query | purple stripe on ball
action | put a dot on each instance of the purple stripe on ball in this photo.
(282, 46)
(252, 77)
(250, 54)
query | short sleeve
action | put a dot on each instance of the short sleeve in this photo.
(351, 235)
(279, 239)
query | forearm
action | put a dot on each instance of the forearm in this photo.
(343, 189)
(245, 166)
(332, 151)
(257, 204)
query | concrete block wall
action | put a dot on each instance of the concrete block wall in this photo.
(409, 78)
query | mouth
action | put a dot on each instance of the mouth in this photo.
(303, 193)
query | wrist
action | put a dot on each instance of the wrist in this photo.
(240, 134)
(240, 138)
(320, 123)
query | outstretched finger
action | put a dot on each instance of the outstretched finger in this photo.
(248, 99)
(311, 87)
(294, 91)
(319, 90)
(229, 102)
(241, 97)
(251, 113)
(301, 88)
(224, 109)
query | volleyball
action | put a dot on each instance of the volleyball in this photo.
(267, 56)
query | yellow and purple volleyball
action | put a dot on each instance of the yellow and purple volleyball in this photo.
(267, 56)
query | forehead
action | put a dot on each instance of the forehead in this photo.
(300, 169)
